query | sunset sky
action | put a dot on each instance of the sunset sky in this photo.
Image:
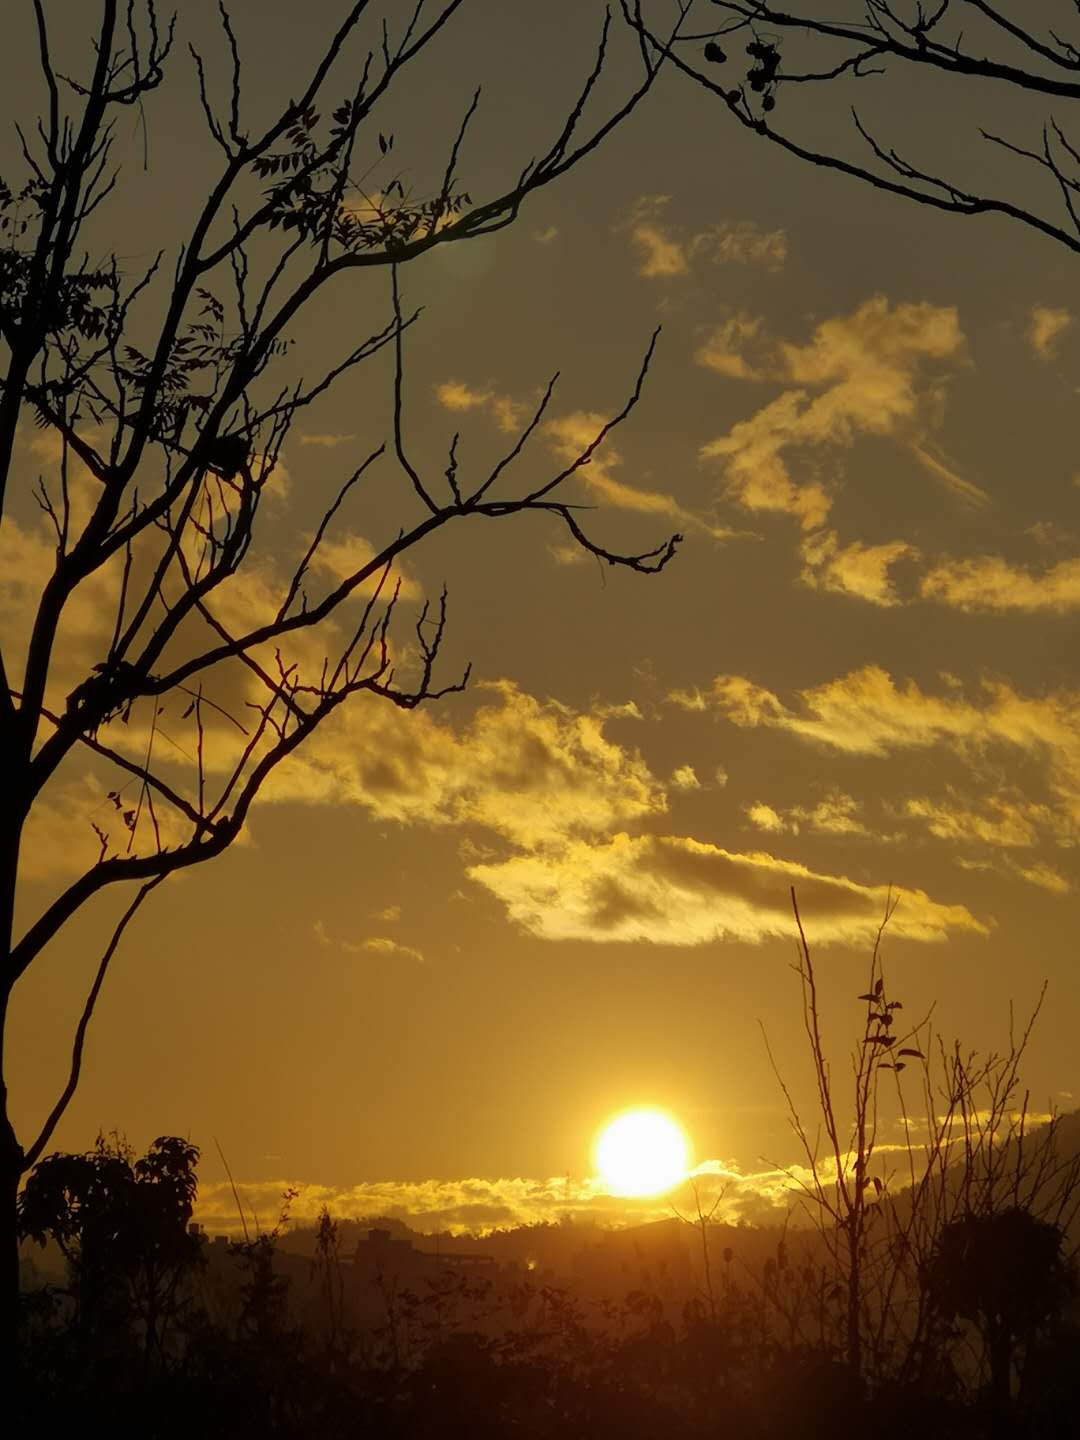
(455, 942)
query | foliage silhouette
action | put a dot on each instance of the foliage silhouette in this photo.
(836, 48)
(122, 1226)
(1005, 1272)
(168, 400)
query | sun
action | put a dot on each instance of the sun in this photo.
(642, 1152)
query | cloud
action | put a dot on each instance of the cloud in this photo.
(659, 253)
(766, 818)
(866, 712)
(529, 770)
(932, 460)
(1044, 876)
(1001, 822)
(507, 413)
(855, 569)
(685, 778)
(741, 242)
(342, 556)
(566, 554)
(667, 890)
(384, 945)
(857, 376)
(725, 350)
(569, 435)
(481, 1204)
(1046, 325)
(991, 583)
(27, 561)
(326, 441)
(77, 816)
(666, 249)
(836, 814)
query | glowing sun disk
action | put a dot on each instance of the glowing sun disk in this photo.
(642, 1152)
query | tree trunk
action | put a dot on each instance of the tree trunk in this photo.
(11, 1154)
(854, 1289)
(10, 1174)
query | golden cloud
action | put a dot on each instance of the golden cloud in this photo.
(685, 778)
(478, 1205)
(866, 712)
(989, 582)
(325, 440)
(835, 814)
(1002, 822)
(507, 413)
(27, 561)
(933, 460)
(857, 376)
(1046, 325)
(569, 435)
(384, 945)
(660, 254)
(529, 770)
(726, 349)
(666, 249)
(667, 890)
(855, 569)
(1043, 876)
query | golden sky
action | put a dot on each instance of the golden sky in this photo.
(454, 941)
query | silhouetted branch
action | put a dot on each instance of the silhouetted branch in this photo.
(883, 42)
(37, 1149)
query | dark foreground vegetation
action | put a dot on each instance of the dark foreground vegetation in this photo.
(923, 1288)
(674, 1329)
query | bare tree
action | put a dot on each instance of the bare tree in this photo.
(756, 57)
(158, 389)
(905, 1191)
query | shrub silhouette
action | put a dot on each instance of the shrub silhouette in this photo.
(1003, 1272)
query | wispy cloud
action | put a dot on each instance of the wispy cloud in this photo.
(738, 348)
(992, 583)
(570, 434)
(932, 459)
(531, 771)
(859, 375)
(326, 440)
(867, 712)
(507, 413)
(835, 814)
(668, 890)
(1046, 325)
(666, 249)
(481, 1204)
(384, 945)
(855, 569)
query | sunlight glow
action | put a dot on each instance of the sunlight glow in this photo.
(642, 1152)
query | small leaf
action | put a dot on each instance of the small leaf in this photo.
(916, 1053)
